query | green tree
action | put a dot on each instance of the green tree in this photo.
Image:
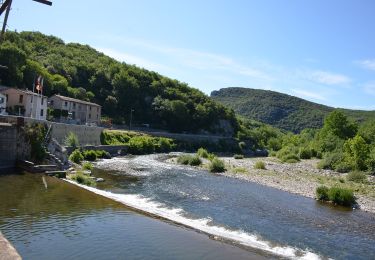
(110, 106)
(15, 59)
(339, 125)
(356, 152)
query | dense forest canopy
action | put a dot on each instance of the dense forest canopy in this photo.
(281, 110)
(81, 72)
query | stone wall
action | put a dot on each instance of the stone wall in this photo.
(8, 144)
(87, 135)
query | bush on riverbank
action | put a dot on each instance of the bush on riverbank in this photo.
(216, 165)
(356, 176)
(71, 140)
(76, 156)
(202, 153)
(288, 154)
(87, 166)
(35, 135)
(259, 165)
(138, 143)
(187, 159)
(81, 178)
(89, 155)
(195, 161)
(337, 195)
(322, 193)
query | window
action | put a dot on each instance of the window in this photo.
(66, 103)
(90, 116)
(42, 101)
(74, 105)
(51, 102)
(21, 99)
(41, 112)
(90, 108)
(79, 107)
(97, 116)
(97, 109)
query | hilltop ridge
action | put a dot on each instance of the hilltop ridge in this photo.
(280, 110)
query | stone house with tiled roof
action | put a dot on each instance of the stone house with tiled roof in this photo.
(23, 102)
(82, 112)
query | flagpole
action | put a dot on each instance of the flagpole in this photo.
(32, 97)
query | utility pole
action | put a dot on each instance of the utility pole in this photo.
(6, 7)
(131, 118)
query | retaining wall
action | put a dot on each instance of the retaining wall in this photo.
(87, 135)
(8, 145)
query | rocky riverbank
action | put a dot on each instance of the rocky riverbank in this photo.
(300, 178)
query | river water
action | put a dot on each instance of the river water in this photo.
(252, 215)
(47, 218)
(75, 223)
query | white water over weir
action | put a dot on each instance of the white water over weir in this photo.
(177, 215)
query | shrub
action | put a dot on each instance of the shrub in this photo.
(35, 135)
(356, 176)
(341, 196)
(103, 154)
(238, 156)
(89, 155)
(240, 170)
(274, 144)
(80, 178)
(290, 158)
(71, 140)
(259, 165)
(211, 156)
(141, 145)
(87, 166)
(202, 153)
(164, 145)
(288, 154)
(184, 159)
(216, 165)
(76, 156)
(322, 193)
(330, 160)
(356, 152)
(273, 153)
(305, 153)
(343, 167)
(195, 161)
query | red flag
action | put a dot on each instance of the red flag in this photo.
(38, 83)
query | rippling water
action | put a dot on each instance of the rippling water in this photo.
(252, 215)
(52, 219)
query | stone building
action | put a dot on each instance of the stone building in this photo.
(25, 103)
(79, 111)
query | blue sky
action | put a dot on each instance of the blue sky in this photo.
(320, 50)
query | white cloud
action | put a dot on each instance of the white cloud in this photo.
(325, 77)
(367, 64)
(309, 94)
(132, 59)
(369, 88)
(199, 60)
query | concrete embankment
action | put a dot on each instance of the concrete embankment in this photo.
(7, 251)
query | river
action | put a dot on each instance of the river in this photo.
(48, 218)
(39, 216)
